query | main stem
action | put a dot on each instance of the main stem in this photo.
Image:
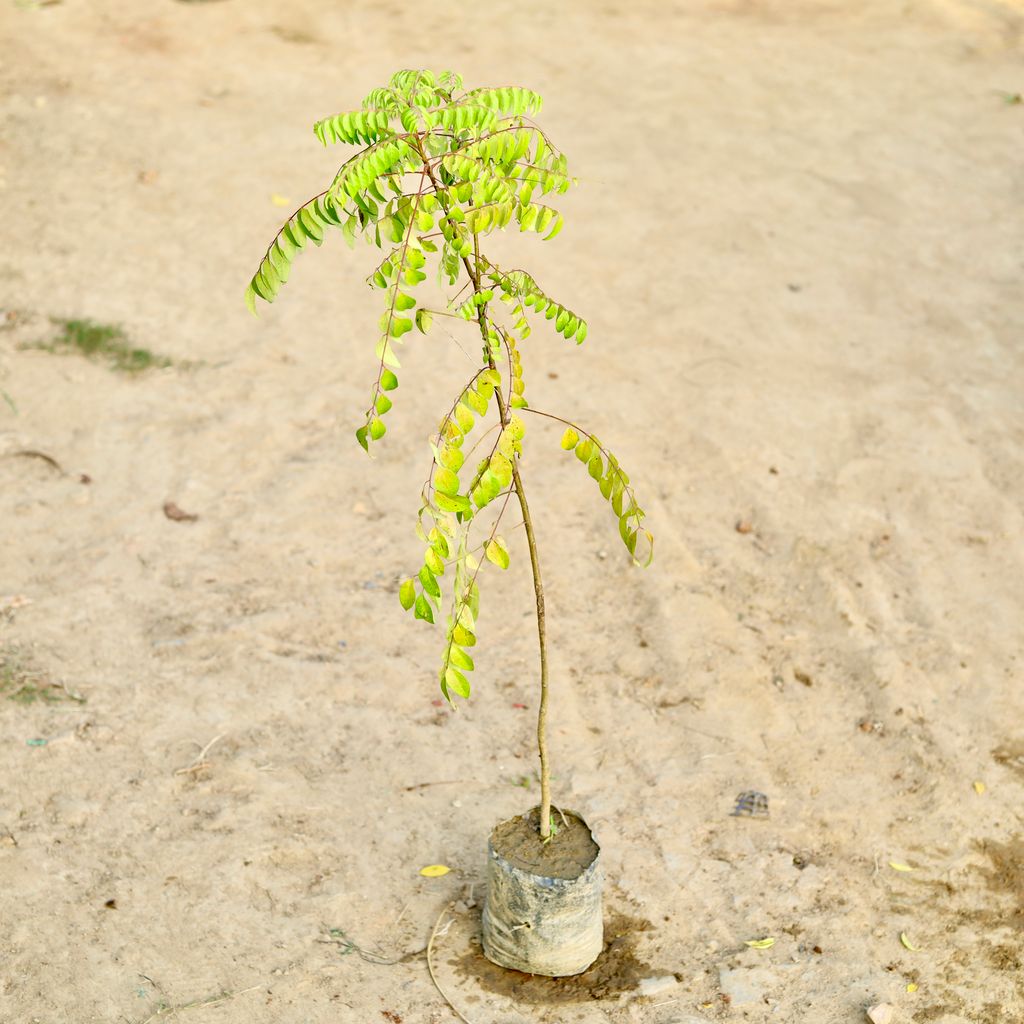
(538, 584)
(531, 538)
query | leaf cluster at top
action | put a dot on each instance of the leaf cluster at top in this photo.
(441, 168)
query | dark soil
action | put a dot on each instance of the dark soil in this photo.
(566, 855)
(1010, 755)
(615, 971)
(1007, 873)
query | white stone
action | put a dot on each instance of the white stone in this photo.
(883, 1013)
(655, 986)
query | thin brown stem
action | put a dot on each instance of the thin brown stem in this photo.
(473, 269)
(538, 584)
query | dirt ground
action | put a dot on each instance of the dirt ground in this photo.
(222, 761)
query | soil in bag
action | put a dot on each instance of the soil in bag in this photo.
(569, 853)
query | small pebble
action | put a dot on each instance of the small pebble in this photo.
(881, 1014)
(655, 986)
(750, 804)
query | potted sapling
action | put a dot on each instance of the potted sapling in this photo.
(439, 169)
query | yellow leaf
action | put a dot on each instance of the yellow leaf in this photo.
(760, 943)
(908, 944)
(897, 866)
(280, 200)
(434, 870)
(912, 987)
(979, 788)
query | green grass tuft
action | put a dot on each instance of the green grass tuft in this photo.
(22, 684)
(106, 342)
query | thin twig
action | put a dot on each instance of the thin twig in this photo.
(31, 453)
(199, 763)
(346, 946)
(430, 966)
(168, 1010)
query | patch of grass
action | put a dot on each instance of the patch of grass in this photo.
(106, 342)
(20, 682)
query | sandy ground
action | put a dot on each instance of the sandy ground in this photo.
(799, 246)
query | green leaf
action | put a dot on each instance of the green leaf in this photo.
(476, 402)
(429, 583)
(595, 466)
(383, 404)
(446, 481)
(502, 469)
(388, 381)
(463, 637)
(377, 428)
(497, 552)
(460, 659)
(385, 353)
(424, 318)
(584, 450)
(434, 562)
(452, 458)
(570, 439)
(464, 418)
(452, 502)
(627, 534)
(423, 609)
(400, 325)
(407, 594)
(361, 438)
(403, 301)
(457, 682)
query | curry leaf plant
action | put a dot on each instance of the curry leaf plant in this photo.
(439, 169)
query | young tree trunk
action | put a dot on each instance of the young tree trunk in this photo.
(538, 584)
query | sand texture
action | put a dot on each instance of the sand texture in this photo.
(223, 760)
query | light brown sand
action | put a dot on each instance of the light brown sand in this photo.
(798, 243)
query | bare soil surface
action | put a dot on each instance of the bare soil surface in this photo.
(223, 757)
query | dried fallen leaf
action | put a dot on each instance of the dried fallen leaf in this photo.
(898, 866)
(760, 943)
(908, 944)
(434, 870)
(979, 788)
(178, 515)
(912, 987)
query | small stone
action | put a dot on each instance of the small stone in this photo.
(743, 985)
(750, 804)
(744, 526)
(655, 986)
(883, 1013)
